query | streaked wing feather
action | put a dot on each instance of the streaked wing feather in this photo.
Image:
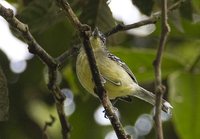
(123, 65)
(117, 83)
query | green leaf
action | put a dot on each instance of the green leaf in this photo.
(188, 51)
(68, 74)
(12, 1)
(186, 10)
(190, 31)
(56, 39)
(145, 6)
(196, 5)
(140, 62)
(44, 111)
(4, 101)
(40, 15)
(174, 17)
(97, 13)
(185, 98)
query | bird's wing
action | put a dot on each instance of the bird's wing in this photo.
(117, 83)
(123, 65)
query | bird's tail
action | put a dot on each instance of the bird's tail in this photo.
(150, 98)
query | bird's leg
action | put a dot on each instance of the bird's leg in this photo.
(113, 101)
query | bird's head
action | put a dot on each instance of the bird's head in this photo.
(97, 39)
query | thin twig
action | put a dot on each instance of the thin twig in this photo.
(48, 124)
(59, 98)
(152, 20)
(66, 128)
(175, 5)
(64, 56)
(51, 63)
(160, 89)
(99, 89)
(121, 27)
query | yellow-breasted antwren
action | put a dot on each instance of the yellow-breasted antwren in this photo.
(117, 79)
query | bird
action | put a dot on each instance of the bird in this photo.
(117, 78)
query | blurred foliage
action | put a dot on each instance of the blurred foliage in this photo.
(37, 12)
(186, 10)
(4, 101)
(31, 103)
(145, 6)
(95, 13)
(184, 96)
(142, 66)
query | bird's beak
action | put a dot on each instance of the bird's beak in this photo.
(95, 33)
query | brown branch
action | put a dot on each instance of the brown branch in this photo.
(101, 92)
(152, 20)
(36, 49)
(160, 89)
(121, 27)
(85, 31)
